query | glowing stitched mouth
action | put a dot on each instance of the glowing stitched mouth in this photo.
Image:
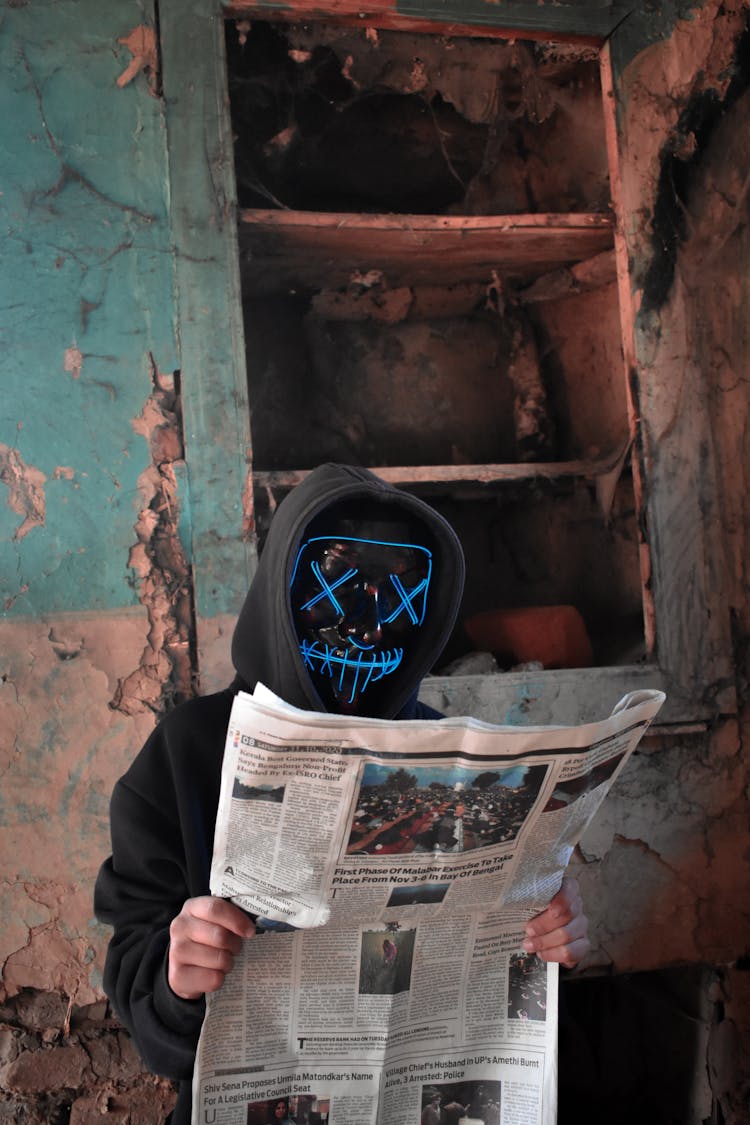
(357, 669)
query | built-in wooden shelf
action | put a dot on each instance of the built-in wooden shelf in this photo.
(284, 251)
(463, 474)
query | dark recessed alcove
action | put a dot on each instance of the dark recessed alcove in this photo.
(429, 290)
(338, 119)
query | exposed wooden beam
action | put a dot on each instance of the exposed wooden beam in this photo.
(209, 326)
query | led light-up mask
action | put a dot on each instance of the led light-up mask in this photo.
(355, 600)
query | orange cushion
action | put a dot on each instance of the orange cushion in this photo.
(555, 635)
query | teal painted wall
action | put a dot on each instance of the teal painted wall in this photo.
(86, 265)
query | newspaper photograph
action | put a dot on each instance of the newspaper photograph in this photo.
(391, 868)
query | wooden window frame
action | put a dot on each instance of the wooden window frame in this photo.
(685, 610)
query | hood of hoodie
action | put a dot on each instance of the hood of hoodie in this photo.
(265, 646)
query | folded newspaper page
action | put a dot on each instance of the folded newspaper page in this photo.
(392, 867)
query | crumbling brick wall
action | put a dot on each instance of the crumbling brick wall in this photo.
(66, 1063)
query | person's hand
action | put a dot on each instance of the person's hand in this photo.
(204, 939)
(560, 933)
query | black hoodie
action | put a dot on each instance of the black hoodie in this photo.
(164, 808)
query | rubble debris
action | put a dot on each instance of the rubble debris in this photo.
(52, 1073)
(592, 273)
(533, 423)
(389, 306)
(472, 664)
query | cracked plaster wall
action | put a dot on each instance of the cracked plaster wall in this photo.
(670, 848)
(92, 640)
(664, 867)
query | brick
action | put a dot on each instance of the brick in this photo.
(47, 1071)
(114, 1057)
(38, 1011)
(8, 1044)
(97, 1111)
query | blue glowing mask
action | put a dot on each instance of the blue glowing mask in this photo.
(355, 601)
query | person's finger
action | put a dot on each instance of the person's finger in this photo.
(566, 905)
(575, 929)
(203, 941)
(567, 955)
(186, 952)
(191, 982)
(220, 912)
(188, 929)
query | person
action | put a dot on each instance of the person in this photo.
(453, 1112)
(355, 595)
(390, 952)
(431, 1112)
(281, 1113)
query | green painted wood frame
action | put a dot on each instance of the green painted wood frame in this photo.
(209, 329)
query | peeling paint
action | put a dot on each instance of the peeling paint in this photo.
(672, 830)
(89, 290)
(141, 42)
(25, 485)
(710, 98)
(73, 361)
(158, 560)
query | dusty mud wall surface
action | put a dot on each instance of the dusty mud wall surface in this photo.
(673, 832)
(63, 1055)
(667, 856)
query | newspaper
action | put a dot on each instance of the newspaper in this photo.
(392, 867)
